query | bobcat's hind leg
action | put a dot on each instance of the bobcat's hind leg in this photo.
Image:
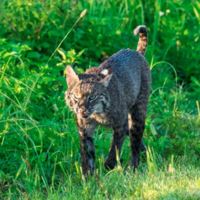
(136, 129)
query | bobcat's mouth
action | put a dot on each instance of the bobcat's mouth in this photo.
(88, 114)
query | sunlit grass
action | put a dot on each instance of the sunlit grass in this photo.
(39, 143)
(182, 183)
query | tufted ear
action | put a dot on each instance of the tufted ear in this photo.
(106, 76)
(71, 76)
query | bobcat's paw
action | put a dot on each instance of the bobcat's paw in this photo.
(110, 164)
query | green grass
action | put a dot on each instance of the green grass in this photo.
(118, 184)
(39, 144)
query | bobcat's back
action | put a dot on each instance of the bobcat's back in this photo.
(130, 69)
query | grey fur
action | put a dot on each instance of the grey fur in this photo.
(115, 94)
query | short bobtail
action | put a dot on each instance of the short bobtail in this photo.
(142, 43)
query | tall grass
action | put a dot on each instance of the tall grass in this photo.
(39, 146)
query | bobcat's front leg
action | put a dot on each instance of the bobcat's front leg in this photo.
(87, 147)
(118, 138)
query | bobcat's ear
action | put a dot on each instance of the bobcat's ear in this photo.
(71, 76)
(106, 76)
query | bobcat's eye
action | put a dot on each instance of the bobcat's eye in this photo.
(91, 98)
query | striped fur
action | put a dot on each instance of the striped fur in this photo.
(142, 43)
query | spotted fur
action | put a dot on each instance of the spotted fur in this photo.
(115, 94)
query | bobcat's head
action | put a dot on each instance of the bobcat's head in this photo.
(87, 93)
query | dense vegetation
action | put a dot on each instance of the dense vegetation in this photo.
(39, 147)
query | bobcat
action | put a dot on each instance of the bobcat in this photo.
(114, 94)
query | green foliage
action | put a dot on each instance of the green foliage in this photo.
(39, 147)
